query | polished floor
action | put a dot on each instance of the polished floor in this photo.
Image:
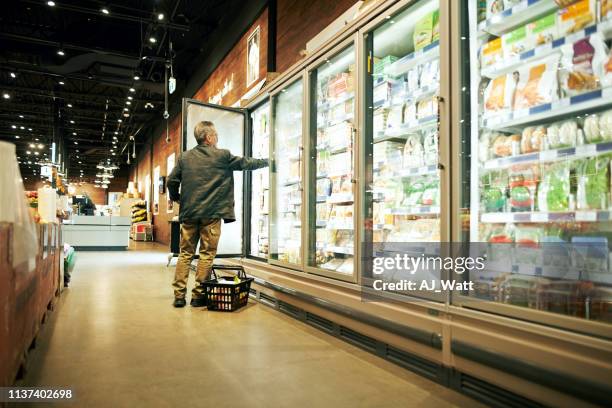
(117, 342)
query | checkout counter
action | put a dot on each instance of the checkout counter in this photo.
(97, 233)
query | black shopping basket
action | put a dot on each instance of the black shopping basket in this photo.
(224, 293)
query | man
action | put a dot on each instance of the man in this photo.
(205, 176)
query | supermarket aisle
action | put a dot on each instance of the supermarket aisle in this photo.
(116, 341)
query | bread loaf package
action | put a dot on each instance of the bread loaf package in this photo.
(537, 83)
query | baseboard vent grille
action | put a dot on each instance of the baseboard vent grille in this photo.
(414, 363)
(358, 339)
(252, 291)
(320, 322)
(289, 309)
(492, 395)
(267, 299)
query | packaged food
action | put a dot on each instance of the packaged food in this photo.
(430, 194)
(543, 30)
(413, 152)
(499, 94)
(554, 190)
(582, 65)
(491, 53)
(430, 74)
(605, 125)
(412, 82)
(435, 36)
(395, 118)
(528, 235)
(523, 185)
(537, 83)
(562, 134)
(591, 129)
(484, 146)
(427, 108)
(576, 16)
(593, 175)
(430, 147)
(606, 9)
(606, 79)
(516, 42)
(494, 187)
(532, 139)
(504, 145)
(413, 194)
(502, 234)
(423, 30)
(379, 121)
(494, 7)
(410, 113)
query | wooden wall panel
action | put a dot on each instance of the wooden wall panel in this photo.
(300, 20)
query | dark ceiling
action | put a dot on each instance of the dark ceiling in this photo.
(88, 96)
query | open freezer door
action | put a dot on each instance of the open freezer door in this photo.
(231, 125)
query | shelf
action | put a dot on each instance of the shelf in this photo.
(588, 150)
(546, 112)
(407, 129)
(332, 175)
(338, 249)
(541, 217)
(380, 227)
(402, 65)
(412, 97)
(339, 198)
(333, 149)
(331, 225)
(290, 182)
(331, 104)
(520, 14)
(419, 171)
(295, 202)
(320, 224)
(321, 199)
(416, 211)
(510, 65)
(329, 123)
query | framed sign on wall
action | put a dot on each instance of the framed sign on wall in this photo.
(253, 47)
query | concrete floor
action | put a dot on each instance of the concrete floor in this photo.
(117, 342)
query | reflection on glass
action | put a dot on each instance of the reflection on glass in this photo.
(286, 241)
(260, 119)
(331, 206)
(540, 174)
(402, 189)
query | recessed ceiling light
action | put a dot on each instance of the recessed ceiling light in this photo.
(61, 52)
(6, 95)
(104, 10)
(126, 109)
(51, 3)
(115, 137)
(152, 40)
(22, 127)
(28, 152)
(30, 129)
(36, 139)
(119, 120)
(13, 75)
(35, 153)
(72, 121)
(76, 143)
(40, 145)
(160, 16)
(61, 82)
(130, 98)
(128, 102)
(17, 137)
(80, 163)
(21, 116)
(136, 78)
(69, 105)
(74, 133)
(132, 90)
(32, 145)
(14, 127)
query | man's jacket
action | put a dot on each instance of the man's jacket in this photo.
(205, 175)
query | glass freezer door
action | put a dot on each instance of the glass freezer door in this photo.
(541, 150)
(402, 181)
(231, 125)
(286, 177)
(331, 194)
(260, 184)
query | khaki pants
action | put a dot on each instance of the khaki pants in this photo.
(208, 233)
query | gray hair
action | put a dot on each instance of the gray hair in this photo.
(205, 133)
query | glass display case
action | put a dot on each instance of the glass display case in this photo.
(331, 179)
(541, 150)
(402, 180)
(260, 147)
(286, 177)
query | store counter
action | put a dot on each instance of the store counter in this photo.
(97, 232)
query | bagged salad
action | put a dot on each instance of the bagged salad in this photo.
(593, 190)
(494, 188)
(523, 184)
(554, 190)
(537, 83)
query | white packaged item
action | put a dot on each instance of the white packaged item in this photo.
(491, 53)
(537, 83)
(484, 146)
(591, 129)
(14, 210)
(516, 42)
(430, 147)
(395, 118)
(499, 94)
(410, 113)
(413, 152)
(582, 65)
(605, 125)
(494, 7)
(606, 79)
(562, 134)
(543, 30)
(577, 16)
(430, 74)
(412, 83)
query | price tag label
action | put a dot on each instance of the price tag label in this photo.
(539, 217)
(586, 150)
(586, 216)
(548, 155)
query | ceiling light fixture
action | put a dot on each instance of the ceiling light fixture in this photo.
(119, 120)
(13, 75)
(72, 121)
(152, 40)
(126, 109)
(40, 145)
(61, 52)
(136, 78)
(132, 90)
(22, 127)
(76, 143)
(30, 129)
(51, 3)
(61, 82)
(69, 105)
(17, 137)
(128, 102)
(130, 98)
(160, 16)
(21, 116)
(6, 95)
(104, 10)
(74, 133)
(14, 127)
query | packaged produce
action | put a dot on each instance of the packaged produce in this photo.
(413, 152)
(499, 94)
(516, 42)
(501, 234)
(543, 30)
(591, 129)
(379, 121)
(424, 30)
(605, 125)
(395, 118)
(427, 108)
(562, 134)
(582, 65)
(430, 147)
(523, 184)
(430, 194)
(484, 146)
(410, 113)
(382, 91)
(494, 7)
(430, 74)
(606, 79)
(554, 190)
(435, 36)
(495, 185)
(576, 16)
(413, 194)
(491, 53)
(532, 139)
(412, 79)
(382, 63)
(504, 145)
(537, 83)
(606, 9)
(593, 190)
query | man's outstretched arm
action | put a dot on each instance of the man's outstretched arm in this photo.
(174, 181)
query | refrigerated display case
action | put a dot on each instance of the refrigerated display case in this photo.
(286, 175)
(541, 150)
(331, 237)
(402, 187)
(260, 184)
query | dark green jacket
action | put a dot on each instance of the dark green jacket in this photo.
(205, 175)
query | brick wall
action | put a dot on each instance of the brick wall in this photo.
(98, 195)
